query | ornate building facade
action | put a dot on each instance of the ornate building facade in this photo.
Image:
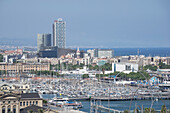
(15, 102)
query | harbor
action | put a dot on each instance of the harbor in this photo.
(84, 56)
(75, 94)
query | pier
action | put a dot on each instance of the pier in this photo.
(125, 98)
(97, 108)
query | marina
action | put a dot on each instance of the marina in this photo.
(120, 105)
(85, 56)
(72, 92)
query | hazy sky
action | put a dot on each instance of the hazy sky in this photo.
(94, 23)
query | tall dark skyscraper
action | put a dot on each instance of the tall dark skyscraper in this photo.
(59, 33)
(43, 40)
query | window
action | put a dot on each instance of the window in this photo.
(33, 102)
(27, 103)
(14, 109)
(3, 101)
(8, 102)
(9, 109)
(23, 103)
(128, 67)
(3, 109)
(20, 103)
(36, 102)
(30, 102)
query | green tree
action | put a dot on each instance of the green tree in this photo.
(163, 66)
(147, 110)
(40, 111)
(44, 101)
(137, 111)
(2, 72)
(85, 76)
(150, 67)
(125, 111)
(163, 109)
(107, 66)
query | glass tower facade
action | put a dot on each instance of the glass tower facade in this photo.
(59, 33)
(43, 40)
(47, 39)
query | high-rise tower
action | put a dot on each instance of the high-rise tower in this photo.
(59, 33)
(43, 40)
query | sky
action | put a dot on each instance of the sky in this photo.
(89, 23)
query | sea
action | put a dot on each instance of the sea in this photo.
(162, 52)
(120, 105)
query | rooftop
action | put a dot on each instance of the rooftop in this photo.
(33, 108)
(29, 95)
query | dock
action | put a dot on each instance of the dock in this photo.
(130, 98)
(105, 109)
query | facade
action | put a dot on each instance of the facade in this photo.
(6, 88)
(48, 52)
(22, 67)
(11, 58)
(14, 102)
(104, 53)
(59, 33)
(168, 61)
(124, 67)
(91, 52)
(43, 40)
(54, 52)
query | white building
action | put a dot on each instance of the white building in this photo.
(124, 67)
(59, 33)
(104, 53)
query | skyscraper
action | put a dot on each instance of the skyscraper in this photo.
(43, 40)
(47, 39)
(59, 33)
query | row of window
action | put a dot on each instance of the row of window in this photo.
(9, 110)
(30, 103)
(5, 88)
(9, 102)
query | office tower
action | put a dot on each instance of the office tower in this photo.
(59, 33)
(43, 40)
(47, 39)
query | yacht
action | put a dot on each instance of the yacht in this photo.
(64, 102)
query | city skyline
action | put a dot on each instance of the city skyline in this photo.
(89, 23)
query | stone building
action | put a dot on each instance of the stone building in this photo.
(9, 88)
(24, 67)
(15, 102)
